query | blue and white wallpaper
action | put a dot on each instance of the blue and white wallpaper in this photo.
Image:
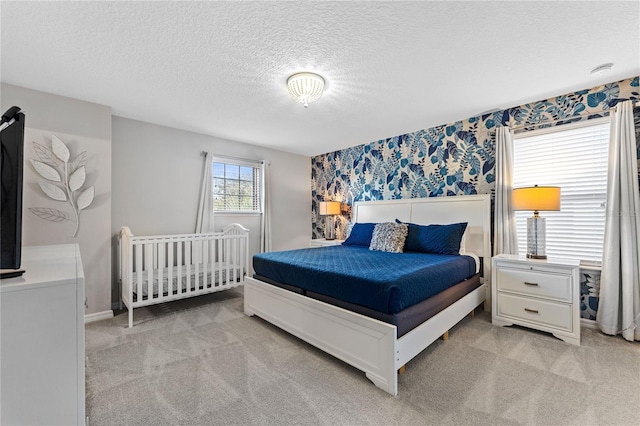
(451, 159)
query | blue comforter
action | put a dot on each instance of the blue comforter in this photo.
(385, 282)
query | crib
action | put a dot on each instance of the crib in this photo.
(162, 268)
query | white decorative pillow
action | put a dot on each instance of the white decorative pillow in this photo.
(389, 237)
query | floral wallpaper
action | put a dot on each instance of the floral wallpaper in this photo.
(447, 160)
(589, 292)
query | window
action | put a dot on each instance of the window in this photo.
(573, 157)
(236, 186)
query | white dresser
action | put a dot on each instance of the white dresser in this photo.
(42, 340)
(539, 294)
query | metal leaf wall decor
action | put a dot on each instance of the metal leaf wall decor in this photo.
(62, 179)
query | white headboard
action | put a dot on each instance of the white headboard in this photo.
(473, 209)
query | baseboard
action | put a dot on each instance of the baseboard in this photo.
(587, 323)
(97, 316)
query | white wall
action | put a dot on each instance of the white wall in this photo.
(156, 184)
(82, 126)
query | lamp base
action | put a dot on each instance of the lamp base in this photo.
(330, 229)
(536, 229)
(533, 256)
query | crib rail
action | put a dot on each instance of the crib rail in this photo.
(160, 268)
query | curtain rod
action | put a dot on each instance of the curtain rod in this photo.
(228, 157)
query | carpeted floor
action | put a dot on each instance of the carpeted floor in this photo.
(202, 361)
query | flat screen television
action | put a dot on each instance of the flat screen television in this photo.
(12, 163)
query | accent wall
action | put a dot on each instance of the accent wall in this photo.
(453, 159)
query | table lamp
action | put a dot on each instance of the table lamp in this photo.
(536, 198)
(329, 209)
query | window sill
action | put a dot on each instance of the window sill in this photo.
(235, 213)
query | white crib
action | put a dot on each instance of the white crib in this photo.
(162, 268)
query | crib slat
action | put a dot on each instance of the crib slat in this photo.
(178, 269)
(212, 261)
(235, 258)
(196, 261)
(230, 261)
(148, 265)
(227, 260)
(161, 263)
(219, 263)
(187, 263)
(203, 260)
(170, 263)
(138, 268)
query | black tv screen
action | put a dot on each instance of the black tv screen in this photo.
(12, 141)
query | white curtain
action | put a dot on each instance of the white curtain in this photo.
(619, 305)
(204, 221)
(505, 237)
(265, 221)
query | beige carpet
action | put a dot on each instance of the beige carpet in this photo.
(202, 361)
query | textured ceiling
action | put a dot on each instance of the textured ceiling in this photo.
(220, 68)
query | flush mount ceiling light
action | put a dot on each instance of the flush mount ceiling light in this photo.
(305, 87)
(602, 69)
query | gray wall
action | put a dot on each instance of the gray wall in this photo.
(157, 174)
(82, 126)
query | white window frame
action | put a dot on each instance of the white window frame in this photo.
(258, 193)
(580, 202)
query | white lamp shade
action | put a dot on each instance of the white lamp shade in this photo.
(328, 208)
(537, 198)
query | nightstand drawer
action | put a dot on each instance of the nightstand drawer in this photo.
(557, 315)
(321, 242)
(535, 283)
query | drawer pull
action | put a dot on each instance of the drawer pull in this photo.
(533, 311)
(531, 284)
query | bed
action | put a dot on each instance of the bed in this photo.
(350, 331)
(162, 268)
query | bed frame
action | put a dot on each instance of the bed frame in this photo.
(365, 343)
(197, 263)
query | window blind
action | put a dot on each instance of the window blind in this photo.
(575, 159)
(236, 185)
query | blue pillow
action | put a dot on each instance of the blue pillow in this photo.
(439, 239)
(360, 235)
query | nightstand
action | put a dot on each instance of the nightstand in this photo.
(321, 242)
(539, 294)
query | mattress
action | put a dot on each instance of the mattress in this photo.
(387, 283)
(234, 272)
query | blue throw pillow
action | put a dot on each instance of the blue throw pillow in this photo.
(360, 235)
(439, 239)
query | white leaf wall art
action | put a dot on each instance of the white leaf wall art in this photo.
(59, 148)
(53, 191)
(86, 198)
(79, 161)
(46, 171)
(61, 180)
(47, 156)
(52, 215)
(77, 179)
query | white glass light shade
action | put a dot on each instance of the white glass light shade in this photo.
(305, 87)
